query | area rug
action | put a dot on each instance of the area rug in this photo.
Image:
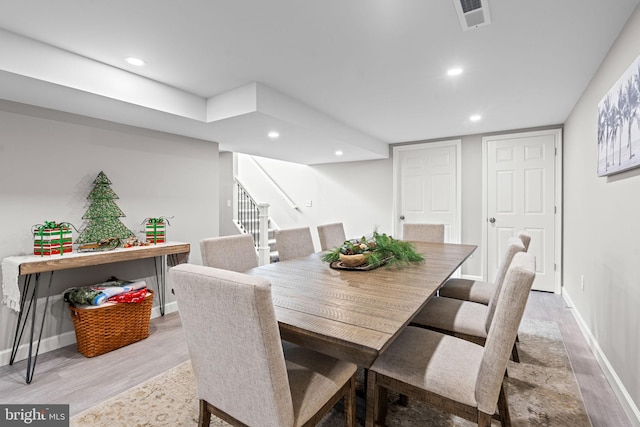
(541, 389)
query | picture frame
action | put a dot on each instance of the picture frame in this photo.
(619, 124)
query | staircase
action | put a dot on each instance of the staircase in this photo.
(250, 216)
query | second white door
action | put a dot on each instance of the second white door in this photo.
(521, 195)
(427, 186)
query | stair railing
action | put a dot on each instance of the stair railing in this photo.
(253, 218)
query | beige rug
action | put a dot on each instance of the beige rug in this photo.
(542, 391)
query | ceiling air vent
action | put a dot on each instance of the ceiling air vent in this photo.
(472, 13)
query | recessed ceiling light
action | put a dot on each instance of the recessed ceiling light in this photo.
(339, 153)
(273, 134)
(454, 71)
(475, 117)
(135, 61)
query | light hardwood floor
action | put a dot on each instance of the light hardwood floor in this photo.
(66, 376)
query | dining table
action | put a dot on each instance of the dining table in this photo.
(355, 314)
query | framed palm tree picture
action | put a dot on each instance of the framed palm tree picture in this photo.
(619, 124)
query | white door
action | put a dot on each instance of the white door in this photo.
(522, 194)
(427, 186)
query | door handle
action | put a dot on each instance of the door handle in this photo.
(492, 220)
(401, 217)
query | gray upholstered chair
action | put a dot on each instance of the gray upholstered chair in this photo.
(526, 240)
(455, 375)
(331, 235)
(423, 232)
(236, 253)
(244, 373)
(478, 290)
(465, 319)
(294, 243)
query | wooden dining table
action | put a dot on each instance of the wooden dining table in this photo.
(354, 315)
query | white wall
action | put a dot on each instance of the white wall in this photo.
(358, 194)
(48, 161)
(601, 230)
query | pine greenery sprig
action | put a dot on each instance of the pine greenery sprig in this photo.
(380, 248)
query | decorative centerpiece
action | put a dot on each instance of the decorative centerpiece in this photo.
(368, 253)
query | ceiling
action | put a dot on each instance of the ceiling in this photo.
(329, 75)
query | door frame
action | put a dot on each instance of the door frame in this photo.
(557, 132)
(457, 143)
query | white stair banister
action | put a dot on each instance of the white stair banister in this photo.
(263, 244)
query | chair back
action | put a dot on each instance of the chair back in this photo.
(331, 235)
(234, 343)
(526, 240)
(514, 245)
(294, 243)
(235, 253)
(503, 331)
(433, 233)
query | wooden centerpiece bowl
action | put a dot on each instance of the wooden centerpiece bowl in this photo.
(354, 260)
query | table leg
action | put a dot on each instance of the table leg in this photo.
(17, 338)
(22, 321)
(160, 280)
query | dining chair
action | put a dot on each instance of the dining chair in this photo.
(294, 243)
(526, 240)
(244, 373)
(454, 375)
(423, 232)
(235, 253)
(478, 290)
(466, 319)
(331, 235)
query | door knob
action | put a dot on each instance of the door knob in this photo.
(401, 217)
(492, 220)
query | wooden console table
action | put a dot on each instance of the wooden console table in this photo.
(31, 266)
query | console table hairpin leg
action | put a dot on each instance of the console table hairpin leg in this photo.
(161, 276)
(23, 318)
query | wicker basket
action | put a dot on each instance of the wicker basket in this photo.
(103, 329)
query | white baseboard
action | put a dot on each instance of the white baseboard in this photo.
(629, 406)
(62, 340)
(469, 277)
(47, 344)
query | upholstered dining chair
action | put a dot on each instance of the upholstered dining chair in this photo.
(294, 243)
(244, 373)
(465, 319)
(451, 374)
(331, 235)
(235, 253)
(526, 240)
(423, 232)
(478, 290)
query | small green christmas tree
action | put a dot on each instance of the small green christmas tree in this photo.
(103, 215)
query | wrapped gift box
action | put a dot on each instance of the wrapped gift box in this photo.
(52, 239)
(155, 232)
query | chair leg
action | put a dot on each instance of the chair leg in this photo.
(503, 408)
(204, 419)
(403, 400)
(514, 354)
(484, 420)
